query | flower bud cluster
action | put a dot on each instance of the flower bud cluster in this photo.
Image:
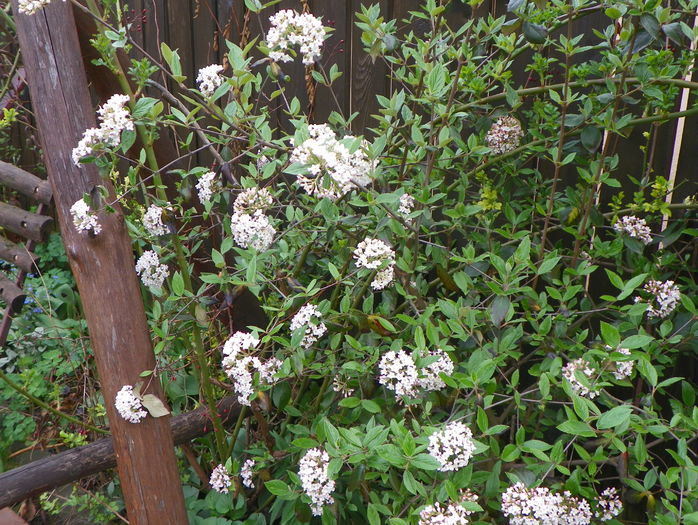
(152, 221)
(289, 28)
(623, 368)
(581, 366)
(220, 479)
(210, 79)
(246, 473)
(206, 187)
(333, 169)
(310, 318)
(114, 118)
(634, 227)
(504, 136)
(313, 472)
(609, 505)
(250, 226)
(452, 447)
(664, 297)
(406, 204)
(129, 406)
(240, 366)
(151, 271)
(538, 506)
(29, 7)
(84, 218)
(399, 372)
(372, 254)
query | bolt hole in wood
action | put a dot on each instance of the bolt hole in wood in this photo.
(24, 224)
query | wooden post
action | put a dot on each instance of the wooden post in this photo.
(11, 294)
(20, 256)
(102, 265)
(27, 224)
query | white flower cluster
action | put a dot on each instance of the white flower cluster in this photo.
(583, 367)
(246, 473)
(372, 254)
(250, 226)
(609, 505)
(504, 135)
(452, 447)
(399, 372)
(340, 386)
(152, 221)
(539, 506)
(453, 514)
(29, 7)
(240, 366)
(210, 79)
(316, 483)
(289, 28)
(151, 271)
(334, 171)
(84, 219)
(623, 368)
(206, 187)
(114, 118)
(667, 297)
(310, 318)
(634, 227)
(129, 406)
(220, 479)
(406, 204)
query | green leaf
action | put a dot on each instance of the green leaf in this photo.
(154, 406)
(631, 285)
(513, 5)
(424, 462)
(576, 428)
(370, 406)
(372, 515)
(610, 334)
(673, 31)
(636, 341)
(616, 416)
(280, 489)
(534, 33)
(304, 443)
(177, 284)
(591, 138)
(548, 264)
(498, 309)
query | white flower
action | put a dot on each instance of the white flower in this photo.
(398, 373)
(634, 227)
(152, 221)
(238, 343)
(129, 406)
(29, 7)
(209, 79)
(504, 135)
(623, 368)
(582, 367)
(666, 295)
(310, 318)
(206, 187)
(429, 375)
(539, 506)
(84, 219)
(334, 171)
(288, 28)
(608, 505)
(453, 514)
(313, 468)
(220, 479)
(151, 271)
(252, 231)
(406, 204)
(253, 200)
(452, 447)
(340, 386)
(114, 118)
(240, 366)
(246, 473)
(372, 254)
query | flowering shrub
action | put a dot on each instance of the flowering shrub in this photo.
(447, 298)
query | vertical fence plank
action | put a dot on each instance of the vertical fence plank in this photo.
(102, 265)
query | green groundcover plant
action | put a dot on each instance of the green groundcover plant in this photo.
(471, 312)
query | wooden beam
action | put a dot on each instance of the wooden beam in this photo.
(12, 295)
(73, 464)
(25, 183)
(18, 255)
(25, 223)
(102, 265)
